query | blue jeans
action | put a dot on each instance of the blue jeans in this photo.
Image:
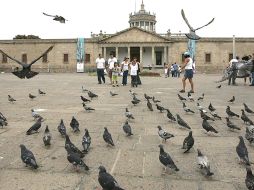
(125, 75)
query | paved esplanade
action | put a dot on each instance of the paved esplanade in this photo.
(134, 160)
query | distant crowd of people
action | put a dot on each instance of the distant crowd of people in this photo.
(174, 70)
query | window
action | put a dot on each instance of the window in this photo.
(24, 58)
(4, 58)
(208, 58)
(87, 58)
(45, 58)
(66, 58)
(230, 56)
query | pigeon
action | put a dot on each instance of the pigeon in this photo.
(170, 116)
(230, 113)
(92, 95)
(107, 137)
(155, 101)
(35, 115)
(231, 125)
(3, 123)
(87, 108)
(218, 86)
(249, 134)
(135, 102)
(76, 160)
(245, 118)
(135, 98)
(41, 92)
(28, 157)
(201, 97)
(35, 127)
(166, 160)
(181, 98)
(61, 128)
(232, 100)
(206, 117)
(200, 108)
(215, 115)
(112, 93)
(11, 99)
(132, 93)
(204, 164)
(249, 180)
(188, 142)
(31, 96)
(181, 122)
(84, 90)
(128, 114)
(56, 18)
(211, 108)
(164, 134)
(160, 108)
(191, 99)
(186, 109)
(149, 105)
(107, 181)
(127, 129)
(242, 152)
(74, 124)
(84, 99)
(2, 117)
(47, 137)
(26, 68)
(72, 147)
(147, 97)
(247, 109)
(208, 127)
(86, 141)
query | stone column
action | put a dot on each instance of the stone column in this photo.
(104, 52)
(153, 56)
(141, 56)
(117, 53)
(165, 55)
(129, 53)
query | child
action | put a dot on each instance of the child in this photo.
(115, 72)
(166, 70)
(134, 72)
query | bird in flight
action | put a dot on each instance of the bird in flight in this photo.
(26, 68)
(57, 18)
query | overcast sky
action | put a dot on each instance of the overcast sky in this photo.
(85, 16)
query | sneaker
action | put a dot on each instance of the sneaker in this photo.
(182, 91)
(117, 85)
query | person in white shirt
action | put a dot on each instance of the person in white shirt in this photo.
(100, 65)
(233, 67)
(188, 74)
(125, 70)
(111, 62)
(134, 73)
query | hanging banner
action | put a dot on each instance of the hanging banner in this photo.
(80, 55)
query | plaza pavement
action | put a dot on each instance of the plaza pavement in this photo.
(134, 160)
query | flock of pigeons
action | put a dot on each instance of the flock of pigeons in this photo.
(75, 155)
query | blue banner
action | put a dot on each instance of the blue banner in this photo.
(80, 55)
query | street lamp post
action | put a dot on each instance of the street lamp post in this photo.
(234, 56)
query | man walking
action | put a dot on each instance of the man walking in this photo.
(233, 70)
(100, 65)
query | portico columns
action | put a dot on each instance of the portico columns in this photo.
(141, 56)
(153, 56)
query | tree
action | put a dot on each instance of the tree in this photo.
(26, 37)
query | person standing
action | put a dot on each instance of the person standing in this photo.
(252, 73)
(115, 72)
(125, 69)
(100, 65)
(138, 71)
(188, 74)
(175, 67)
(111, 62)
(233, 67)
(134, 73)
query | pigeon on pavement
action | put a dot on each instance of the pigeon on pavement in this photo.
(107, 137)
(127, 129)
(86, 141)
(155, 101)
(61, 128)
(76, 160)
(245, 118)
(164, 134)
(92, 95)
(31, 96)
(188, 142)
(204, 164)
(249, 180)
(72, 147)
(201, 97)
(149, 105)
(211, 108)
(160, 108)
(107, 181)
(232, 100)
(200, 108)
(247, 109)
(3, 123)
(132, 93)
(181, 98)
(166, 160)
(242, 152)
(249, 134)
(231, 125)
(135, 102)
(208, 127)
(27, 157)
(186, 109)
(206, 117)
(84, 99)
(35, 127)
(74, 124)
(47, 137)
(87, 108)
(128, 114)
(170, 115)
(83, 89)
(112, 93)
(191, 99)
(147, 97)
(215, 115)
(230, 113)
(218, 86)
(41, 92)
(11, 99)
(36, 115)
(181, 122)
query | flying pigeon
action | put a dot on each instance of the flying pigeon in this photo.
(61, 128)
(204, 164)
(11, 99)
(208, 127)
(149, 105)
(107, 137)
(232, 100)
(188, 142)
(74, 124)
(92, 95)
(127, 129)
(181, 122)
(164, 134)
(160, 108)
(181, 98)
(87, 108)
(186, 109)
(128, 114)
(35, 127)
(249, 134)
(211, 108)
(166, 160)
(57, 18)
(86, 141)
(76, 160)
(247, 109)
(190, 97)
(249, 180)
(147, 97)
(112, 93)
(230, 113)
(107, 181)
(47, 137)
(84, 99)
(26, 68)
(27, 157)
(201, 97)
(41, 92)
(155, 101)
(72, 147)
(231, 125)
(242, 152)
(170, 116)
(31, 96)
(245, 118)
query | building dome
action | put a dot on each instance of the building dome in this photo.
(143, 19)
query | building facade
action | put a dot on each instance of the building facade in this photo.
(139, 40)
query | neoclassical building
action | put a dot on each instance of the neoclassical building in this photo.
(139, 40)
